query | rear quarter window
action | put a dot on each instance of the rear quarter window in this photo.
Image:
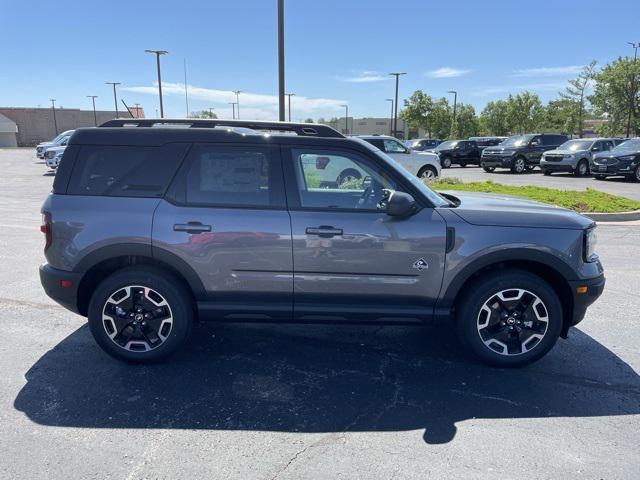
(125, 171)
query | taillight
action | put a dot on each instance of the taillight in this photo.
(46, 229)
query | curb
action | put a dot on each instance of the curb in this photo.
(614, 217)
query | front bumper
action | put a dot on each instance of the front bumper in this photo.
(496, 162)
(53, 279)
(581, 301)
(612, 169)
(557, 166)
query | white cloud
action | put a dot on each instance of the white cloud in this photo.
(366, 76)
(447, 72)
(548, 71)
(252, 105)
(534, 87)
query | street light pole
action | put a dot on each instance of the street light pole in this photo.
(237, 92)
(281, 60)
(53, 107)
(395, 103)
(391, 116)
(157, 54)
(137, 105)
(455, 102)
(93, 100)
(233, 106)
(633, 82)
(290, 95)
(115, 96)
(346, 119)
(211, 109)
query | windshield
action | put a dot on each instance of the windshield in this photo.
(435, 198)
(516, 141)
(447, 145)
(629, 145)
(575, 145)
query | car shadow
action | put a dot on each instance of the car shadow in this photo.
(50, 173)
(321, 379)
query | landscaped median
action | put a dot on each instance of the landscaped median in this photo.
(593, 203)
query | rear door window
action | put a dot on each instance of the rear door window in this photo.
(125, 171)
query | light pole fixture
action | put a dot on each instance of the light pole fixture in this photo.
(346, 119)
(391, 116)
(115, 96)
(395, 102)
(281, 60)
(233, 106)
(237, 92)
(157, 53)
(455, 104)
(211, 109)
(53, 107)
(290, 95)
(93, 100)
(631, 97)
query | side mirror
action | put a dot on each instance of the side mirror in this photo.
(400, 204)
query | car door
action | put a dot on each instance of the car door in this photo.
(225, 218)
(352, 259)
(535, 149)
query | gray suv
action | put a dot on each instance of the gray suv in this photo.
(150, 227)
(574, 155)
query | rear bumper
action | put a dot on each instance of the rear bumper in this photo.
(581, 301)
(52, 281)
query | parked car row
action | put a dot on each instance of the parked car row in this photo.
(51, 152)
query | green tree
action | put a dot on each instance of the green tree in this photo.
(575, 93)
(525, 112)
(561, 115)
(417, 110)
(321, 120)
(203, 114)
(440, 119)
(616, 93)
(466, 124)
(308, 120)
(494, 118)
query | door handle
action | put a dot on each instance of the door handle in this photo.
(324, 231)
(191, 227)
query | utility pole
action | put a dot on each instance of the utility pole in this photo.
(157, 54)
(346, 119)
(455, 102)
(290, 95)
(53, 107)
(115, 96)
(137, 105)
(186, 93)
(281, 60)
(238, 92)
(391, 116)
(211, 109)
(633, 84)
(233, 106)
(93, 100)
(395, 102)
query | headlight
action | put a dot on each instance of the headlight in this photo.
(627, 158)
(568, 155)
(590, 244)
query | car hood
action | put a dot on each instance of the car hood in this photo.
(58, 148)
(506, 211)
(45, 144)
(564, 152)
(498, 149)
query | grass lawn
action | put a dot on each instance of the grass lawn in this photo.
(584, 201)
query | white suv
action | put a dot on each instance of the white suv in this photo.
(425, 165)
(63, 137)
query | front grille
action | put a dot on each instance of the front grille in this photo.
(605, 161)
(553, 158)
(49, 154)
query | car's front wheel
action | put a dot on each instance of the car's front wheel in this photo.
(518, 165)
(636, 174)
(445, 162)
(582, 168)
(141, 314)
(428, 173)
(509, 318)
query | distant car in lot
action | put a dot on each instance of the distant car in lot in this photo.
(425, 165)
(574, 155)
(41, 147)
(520, 153)
(424, 144)
(623, 160)
(52, 156)
(484, 142)
(462, 152)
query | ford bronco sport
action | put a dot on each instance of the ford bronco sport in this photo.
(150, 227)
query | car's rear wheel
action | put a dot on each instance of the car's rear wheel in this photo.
(518, 165)
(445, 162)
(141, 314)
(489, 169)
(509, 318)
(636, 174)
(582, 168)
(428, 173)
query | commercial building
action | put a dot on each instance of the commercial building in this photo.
(8, 132)
(375, 126)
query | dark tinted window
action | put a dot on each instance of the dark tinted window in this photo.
(217, 175)
(376, 142)
(125, 171)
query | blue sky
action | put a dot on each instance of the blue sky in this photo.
(337, 51)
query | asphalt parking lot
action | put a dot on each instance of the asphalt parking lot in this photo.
(613, 185)
(291, 402)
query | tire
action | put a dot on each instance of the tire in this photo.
(582, 168)
(158, 295)
(600, 177)
(539, 327)
(445, 162)
(518, 165)
(348, 175)
(489, 169)
(636, 174)
(546, 172)
(428, 173)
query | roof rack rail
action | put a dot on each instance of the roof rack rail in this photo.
(301, 129)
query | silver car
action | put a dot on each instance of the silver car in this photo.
(574, 156)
